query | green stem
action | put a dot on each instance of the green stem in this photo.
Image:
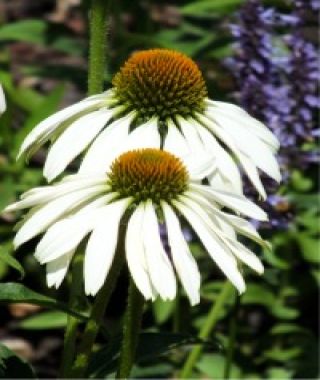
(70, 336)
(131, 329)
(206, 329)
(98, 45)
(232, 338)
(96, 317)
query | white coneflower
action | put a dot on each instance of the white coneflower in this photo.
(158, 99)
(3, 104)
(142, 189)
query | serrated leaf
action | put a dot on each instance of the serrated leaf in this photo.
(12, 366)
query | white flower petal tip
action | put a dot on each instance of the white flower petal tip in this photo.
(3, 104)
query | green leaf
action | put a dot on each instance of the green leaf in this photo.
(213, 366)
(46, 320)
(27, 30)
(283, 354)
(11, 292)
(258, 294)
(12, 366)
(207, 7)
(309, 248)
(162, 310)
(11, 261)
(288, 328)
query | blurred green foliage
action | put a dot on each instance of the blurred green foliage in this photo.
(277, 320)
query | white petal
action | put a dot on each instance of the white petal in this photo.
(74, 140)
(3, 104)
(184, 262)
(246, 142)
(216, 250)
(42, 132)
(57, 270)
(64, 236)
(45, 194)
(135, 254)
(226, 169)
(144, 136)
(244, 120)
(242, 226)
(191, 134)
(104, 149)
(245, 255)
(175, 142)
(102, 245)
(233, 201)
(49, 213)
(159, 265)
(253, 174)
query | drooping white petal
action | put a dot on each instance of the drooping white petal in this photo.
(233, 201)
(144, 136)
(105, 147)
(175, 142)
(159, 265)
(227, 239)
(135, 254)
(183, 260)
(42, 132)
(191, 134)
(102, 245)
(74, 140)
(3, 104)
(226, 169)
(45, 194)
(253, 174)
(246, 142)
(218, 251)
(245, 255)
(57, 270)
(48, 214)
(66, 234)
(244, 120)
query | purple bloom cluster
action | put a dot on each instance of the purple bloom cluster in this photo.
(278, 85)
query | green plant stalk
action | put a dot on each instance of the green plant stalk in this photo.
(95, 320)
(70, 337)
(131, 329)
(232, 339)
(206, 329)
(98, 45)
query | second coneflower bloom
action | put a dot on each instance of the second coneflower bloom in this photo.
(142, 189)
(159, 100)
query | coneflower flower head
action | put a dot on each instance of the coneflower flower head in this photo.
(159, 100)
(142, 189)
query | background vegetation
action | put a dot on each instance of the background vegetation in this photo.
(273, 326)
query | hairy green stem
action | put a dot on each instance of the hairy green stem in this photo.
(206, 329)
(232, 339)
(70, 337)
(98, 45)
(96, 317)
(131, 329)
